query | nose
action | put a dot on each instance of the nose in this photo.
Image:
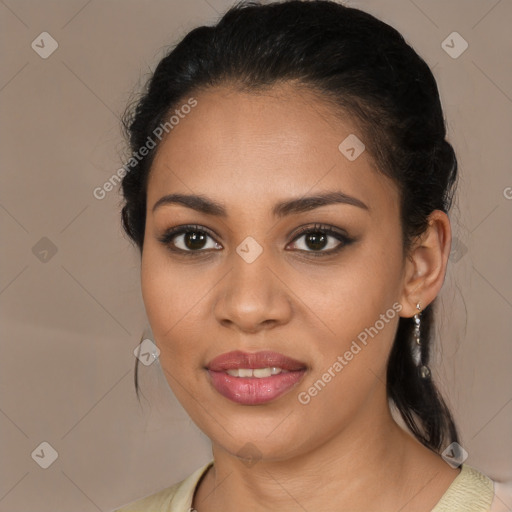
(252, 296)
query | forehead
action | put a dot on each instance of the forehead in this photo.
(240, 146)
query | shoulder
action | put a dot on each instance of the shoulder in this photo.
(176, 498)
(471, 491)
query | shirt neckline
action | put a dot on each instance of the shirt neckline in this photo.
(182, 500)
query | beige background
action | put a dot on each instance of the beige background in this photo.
(70, 323)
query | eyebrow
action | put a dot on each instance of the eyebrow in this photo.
(292, 206)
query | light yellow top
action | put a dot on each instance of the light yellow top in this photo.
(470, 491)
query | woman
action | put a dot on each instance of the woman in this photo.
(289, 193)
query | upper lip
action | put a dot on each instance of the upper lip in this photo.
(264, 359)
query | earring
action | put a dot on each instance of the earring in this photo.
(423, 369)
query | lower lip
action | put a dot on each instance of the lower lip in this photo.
(254, 391)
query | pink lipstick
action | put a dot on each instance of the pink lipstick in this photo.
(254, 378)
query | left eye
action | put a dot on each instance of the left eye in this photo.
(316, 240)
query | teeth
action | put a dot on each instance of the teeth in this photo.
(256, 372)
(262, 372)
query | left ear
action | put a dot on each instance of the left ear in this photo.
(425, 267)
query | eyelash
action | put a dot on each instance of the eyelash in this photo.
(170, 234)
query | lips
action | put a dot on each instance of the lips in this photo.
(252, 389)
(264, 359)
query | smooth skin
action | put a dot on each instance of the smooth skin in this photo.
(343, 450)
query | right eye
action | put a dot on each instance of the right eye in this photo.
(188, 239)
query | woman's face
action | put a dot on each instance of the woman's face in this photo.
(248, 281)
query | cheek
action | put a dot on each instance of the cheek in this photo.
(154, 286)
(358, 289)
(162, 294)
(355, 301)
(172, 298)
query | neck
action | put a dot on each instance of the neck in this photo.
(365, 466)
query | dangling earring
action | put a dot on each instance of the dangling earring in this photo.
(423, 369)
